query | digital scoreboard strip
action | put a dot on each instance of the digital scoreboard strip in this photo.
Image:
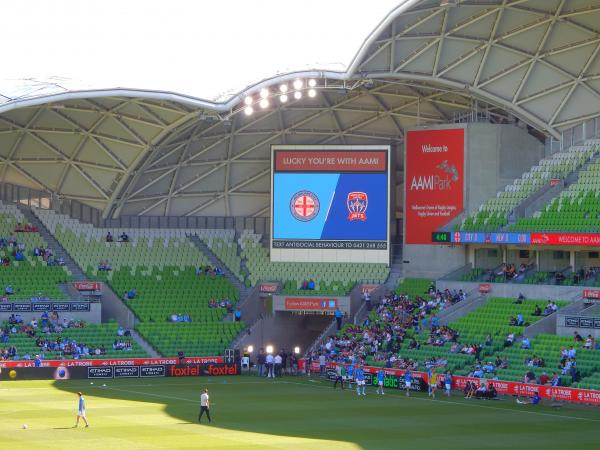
(330, 203)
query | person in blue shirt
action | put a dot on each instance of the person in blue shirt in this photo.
(338, 318)
(407, 381)
(350, 374)
(380, 379)
(520, 320)
(535, 400)
(448, 383)
(359, 374)
(81, 411)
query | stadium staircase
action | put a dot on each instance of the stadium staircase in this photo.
(395, 267)
(57, 248)
(216, 262)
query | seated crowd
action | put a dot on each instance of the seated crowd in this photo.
(122, 238)
(25, 228)
(209, 271)
(223, 303)
(44, 332)
(179, 318)
(389, 329)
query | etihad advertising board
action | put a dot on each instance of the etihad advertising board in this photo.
(434, 183)
(330, 203)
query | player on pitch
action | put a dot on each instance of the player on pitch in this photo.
(81, 411)
(204, 406)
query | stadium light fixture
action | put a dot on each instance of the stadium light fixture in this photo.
(248, 110)
(297, 350)
(283, 88)
(283, 98)
(269, 349)
(248, 100)
(264, 93)
(264, 103)
(250, 348)
(298, 84)
(312, 83)
(297, 95)
(312, 93)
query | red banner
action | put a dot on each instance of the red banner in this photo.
(310, 304)
(484, 288)
(110, 362)
(434, 181)
(330, 161)
(591, 293)
(268, 288)
(87, 285)
(587, 239)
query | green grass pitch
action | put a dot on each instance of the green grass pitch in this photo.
(288, 413)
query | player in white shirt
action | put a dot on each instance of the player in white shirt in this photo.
(204, 405)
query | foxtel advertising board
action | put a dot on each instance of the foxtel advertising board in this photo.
(330, 203)
(434, 181)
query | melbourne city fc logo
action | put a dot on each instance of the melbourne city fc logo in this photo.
(357, 203)
(304, 206)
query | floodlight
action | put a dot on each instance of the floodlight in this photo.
(264, 93)
(283, 98)
(248, 110)
(250, 348)
(264, 103)
(312, 93)
(248, 100)
(269, 349)
(312, 82)
(298, 84)
(297, 95)
(283, 88)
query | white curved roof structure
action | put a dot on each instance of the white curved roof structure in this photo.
(129, 151)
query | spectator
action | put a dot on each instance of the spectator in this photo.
(525, 343)
(338, 318)
(311, 285)
(8, 290)
(124, 237)
(544, 378)
(131, 294)
(577, 337)
(510, 338)
(520, 320)
(589, 342)
(237, 315)
(537, 311)
(109, 237)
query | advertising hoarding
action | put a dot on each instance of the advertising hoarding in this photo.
(434, 181)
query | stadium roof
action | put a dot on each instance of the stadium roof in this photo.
(128, 151)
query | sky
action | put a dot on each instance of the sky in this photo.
(203, 48)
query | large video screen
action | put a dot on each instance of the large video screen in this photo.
(330, 203)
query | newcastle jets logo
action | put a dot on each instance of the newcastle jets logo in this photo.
(304, 206)
(357, 203)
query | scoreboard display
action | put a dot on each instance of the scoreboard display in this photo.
(330, 203)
